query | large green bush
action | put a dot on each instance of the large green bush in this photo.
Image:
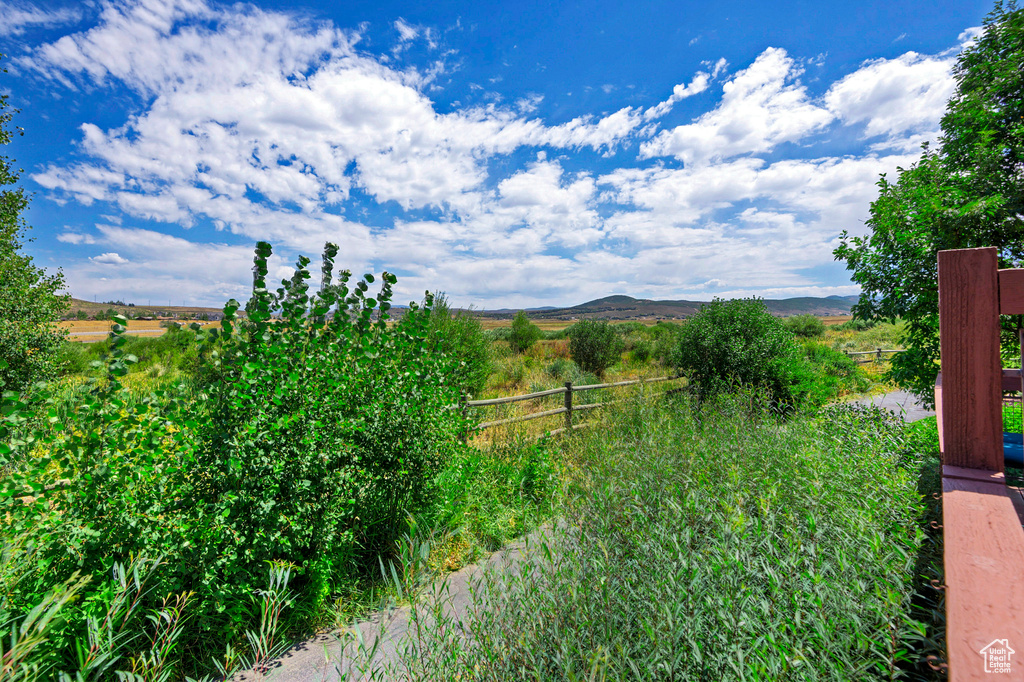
(311, 437)
(524, 333)
(594, 345)
(739, 342)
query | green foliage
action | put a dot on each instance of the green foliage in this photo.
(594, 345)
(498, 333)
(805, 326)
(30, 300)
(831, 373)
(855, 325)
(461, 337)
(174, 354)
(488, 497)
(739, 342)
(309, 440)
(665, 336)
(523, 333)
(969, 193)
(689, 535)
(326, 425)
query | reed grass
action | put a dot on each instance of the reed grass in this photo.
(709, 543)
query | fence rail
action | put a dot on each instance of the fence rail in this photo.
(878, 352)
(567, 409)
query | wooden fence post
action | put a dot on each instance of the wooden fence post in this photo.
(878, 355)
(971, 418)
(568, 406)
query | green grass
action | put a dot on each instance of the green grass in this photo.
(716, 544)
(486, 497)
(883, 335)
(174, 355)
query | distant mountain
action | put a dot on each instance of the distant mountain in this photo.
(620, 307)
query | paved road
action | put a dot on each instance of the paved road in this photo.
(327, 658)
(901, 403)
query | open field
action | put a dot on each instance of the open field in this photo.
(545, 325)
(88, 331)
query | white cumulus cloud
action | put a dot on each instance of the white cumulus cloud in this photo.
(762, 106)
(109, 259)
(895, 98)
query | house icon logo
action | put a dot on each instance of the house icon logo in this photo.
(997, 656)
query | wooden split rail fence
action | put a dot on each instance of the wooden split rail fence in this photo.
(567, 409)
(877, 353)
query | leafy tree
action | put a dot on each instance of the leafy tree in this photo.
(30, 300)
(594, 345)
(460, 336)
(967, 193)
(524, 333)
(739, 342)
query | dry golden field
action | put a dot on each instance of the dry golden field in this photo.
(96, 330)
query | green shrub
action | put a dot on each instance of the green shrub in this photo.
(173, 354)
(739, 342)
(805, 326)
(560, 369)
(555, 334)
(498, 333)
(665, 335)
(461, 337)
(523, 333)
(73, 358)
(856, 325)
(594, 345)
(641, 348)
(310, 439)
(832, 373)
(629, 328)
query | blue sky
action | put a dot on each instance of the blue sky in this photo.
(511, 154)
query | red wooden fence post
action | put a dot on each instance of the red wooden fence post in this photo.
(971, 417)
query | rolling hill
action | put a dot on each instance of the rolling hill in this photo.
(620, 307)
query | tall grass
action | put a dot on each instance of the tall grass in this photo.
(709, 544)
